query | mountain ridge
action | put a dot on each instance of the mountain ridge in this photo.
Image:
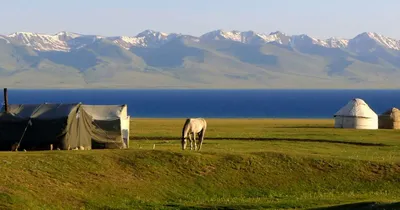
(150, 36)
(216, 59)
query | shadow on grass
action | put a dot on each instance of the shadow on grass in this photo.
(363, 206)
(145, 205)
(311, 126)
(225, 207)
(268, 139)
(353, 206)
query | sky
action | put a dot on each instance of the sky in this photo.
(317, 18)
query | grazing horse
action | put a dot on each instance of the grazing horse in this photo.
(194, 126)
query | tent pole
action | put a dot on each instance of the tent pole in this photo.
(5, 100)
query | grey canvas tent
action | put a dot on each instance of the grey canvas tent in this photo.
(110, 125)
(36, 126)
(65, 126)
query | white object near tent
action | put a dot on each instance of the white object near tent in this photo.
(113, 119)
(356, 114)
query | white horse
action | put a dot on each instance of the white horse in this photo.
(193, 126)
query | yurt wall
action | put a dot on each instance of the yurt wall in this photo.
(390, 119)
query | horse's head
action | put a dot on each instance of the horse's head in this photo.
(183, 142)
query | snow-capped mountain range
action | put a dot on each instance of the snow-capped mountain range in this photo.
(217, 59)
(66, 41)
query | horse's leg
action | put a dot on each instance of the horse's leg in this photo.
(194, 139)
(200, 139)
(190, 139)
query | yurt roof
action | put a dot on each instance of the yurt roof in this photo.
(391, 110)
(356, 108)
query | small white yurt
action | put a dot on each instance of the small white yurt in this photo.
(356, 114)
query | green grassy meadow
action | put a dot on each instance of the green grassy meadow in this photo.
(244, 164)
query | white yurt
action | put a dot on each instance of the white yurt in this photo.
(356, 114)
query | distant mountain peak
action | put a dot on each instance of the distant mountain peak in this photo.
(147, 38)
(369, 34)
(66, 36)
(247, 37)
(366, 35)
(379, 39)
(149, 32)
(336, 42)
(302, 36)
(279, 33)
(69, 34)
(19, 33)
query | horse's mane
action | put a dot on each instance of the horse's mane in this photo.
(185, 127)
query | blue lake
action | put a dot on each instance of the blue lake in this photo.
(217, 103)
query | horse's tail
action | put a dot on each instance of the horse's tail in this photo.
(205, 123)
(203, 131)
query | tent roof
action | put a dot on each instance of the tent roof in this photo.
(356, 108)
(106, 112)
(40, 111)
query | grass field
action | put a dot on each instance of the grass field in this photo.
(244, 164)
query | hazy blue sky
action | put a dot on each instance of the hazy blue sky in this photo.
(318, 18)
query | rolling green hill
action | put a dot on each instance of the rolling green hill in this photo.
(266, 164)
